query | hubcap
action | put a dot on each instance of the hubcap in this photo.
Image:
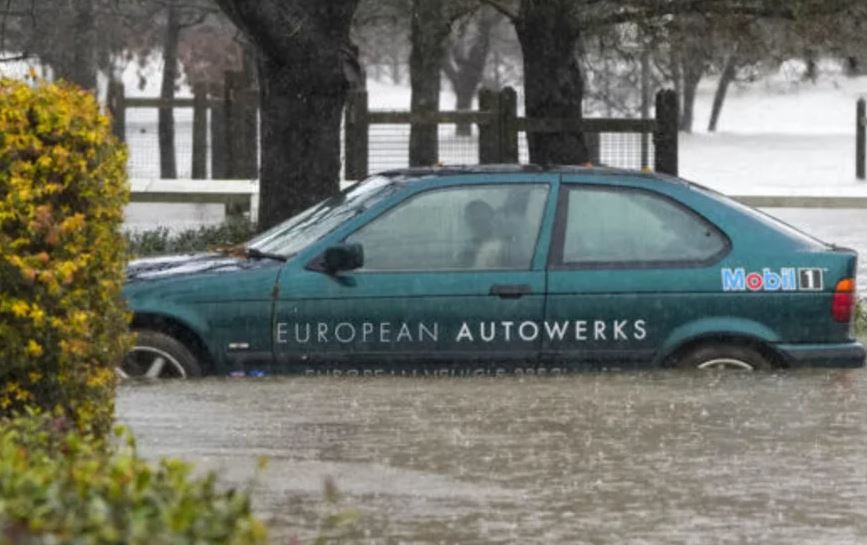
(726, 363)
(151, 363)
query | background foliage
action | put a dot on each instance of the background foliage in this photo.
(63, 326)
(202, 239)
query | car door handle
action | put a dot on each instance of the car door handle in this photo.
(511, 291)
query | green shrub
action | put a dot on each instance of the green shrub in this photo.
(861, 318)
(202, 239)
(57, 487)
(63, 326)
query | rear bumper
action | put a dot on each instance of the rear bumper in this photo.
(847, 355)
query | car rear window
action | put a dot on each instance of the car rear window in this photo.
(625, 227)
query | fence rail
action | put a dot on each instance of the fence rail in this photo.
(499, 130)
(242, 196)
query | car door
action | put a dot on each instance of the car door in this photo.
(627, 266)
(450, 278)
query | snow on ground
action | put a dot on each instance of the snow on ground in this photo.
(729, 161)
(781, 131)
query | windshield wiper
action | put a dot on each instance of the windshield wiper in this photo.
(255, 253)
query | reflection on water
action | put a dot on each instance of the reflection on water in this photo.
(597, 458)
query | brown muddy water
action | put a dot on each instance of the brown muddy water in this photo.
(626, 458)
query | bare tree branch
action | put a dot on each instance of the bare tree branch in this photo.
(501, 6)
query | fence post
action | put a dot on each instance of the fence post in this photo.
(507, 113)
(645, 105)
(233, 147)
(250, 119)
(117, 107)
(200, 132)
(241, 134)
(861, 140)
(489, 133)
(665, 136)
(355, 136)
(219, 144)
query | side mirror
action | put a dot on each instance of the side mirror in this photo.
(343, 257)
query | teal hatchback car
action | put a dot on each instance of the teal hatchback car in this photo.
(506, 269)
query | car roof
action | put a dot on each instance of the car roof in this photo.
(415, 173)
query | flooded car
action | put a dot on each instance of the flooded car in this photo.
(502, 269)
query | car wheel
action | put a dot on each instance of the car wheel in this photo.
(156, 355)
(723, 357)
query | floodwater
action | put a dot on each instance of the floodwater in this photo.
(626, 458)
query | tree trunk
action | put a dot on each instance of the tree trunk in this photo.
(166, 122)
(692, 73)
(812, 72)
(429, 29)
(300, 140)
(464, 102)
(676, 75)
(395, 68)
(727, 76)
(465, 69)
(79, 65)
(553, 83)
(853, 66)
(305, 61)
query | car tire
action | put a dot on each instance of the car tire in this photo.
(156, 355)
(722, 356)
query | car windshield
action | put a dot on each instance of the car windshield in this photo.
(296, 233)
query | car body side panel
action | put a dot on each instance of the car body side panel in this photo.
(411, 316)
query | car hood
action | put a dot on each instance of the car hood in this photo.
(173, 266)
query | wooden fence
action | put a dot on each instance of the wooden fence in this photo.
(499, 127)
(233, 126)
(225, 129)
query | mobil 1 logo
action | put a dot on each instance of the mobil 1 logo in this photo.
(810, 280)
(785, 279)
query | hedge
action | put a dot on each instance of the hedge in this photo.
(60, 487)
(63, 325)
(201, 239)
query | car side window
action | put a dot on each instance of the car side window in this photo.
(621, 227)
(466, 228)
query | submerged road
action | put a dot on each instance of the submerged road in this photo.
(627, 458)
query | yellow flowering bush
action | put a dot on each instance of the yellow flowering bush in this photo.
(63, 324)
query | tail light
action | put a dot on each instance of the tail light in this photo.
(843, 304)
